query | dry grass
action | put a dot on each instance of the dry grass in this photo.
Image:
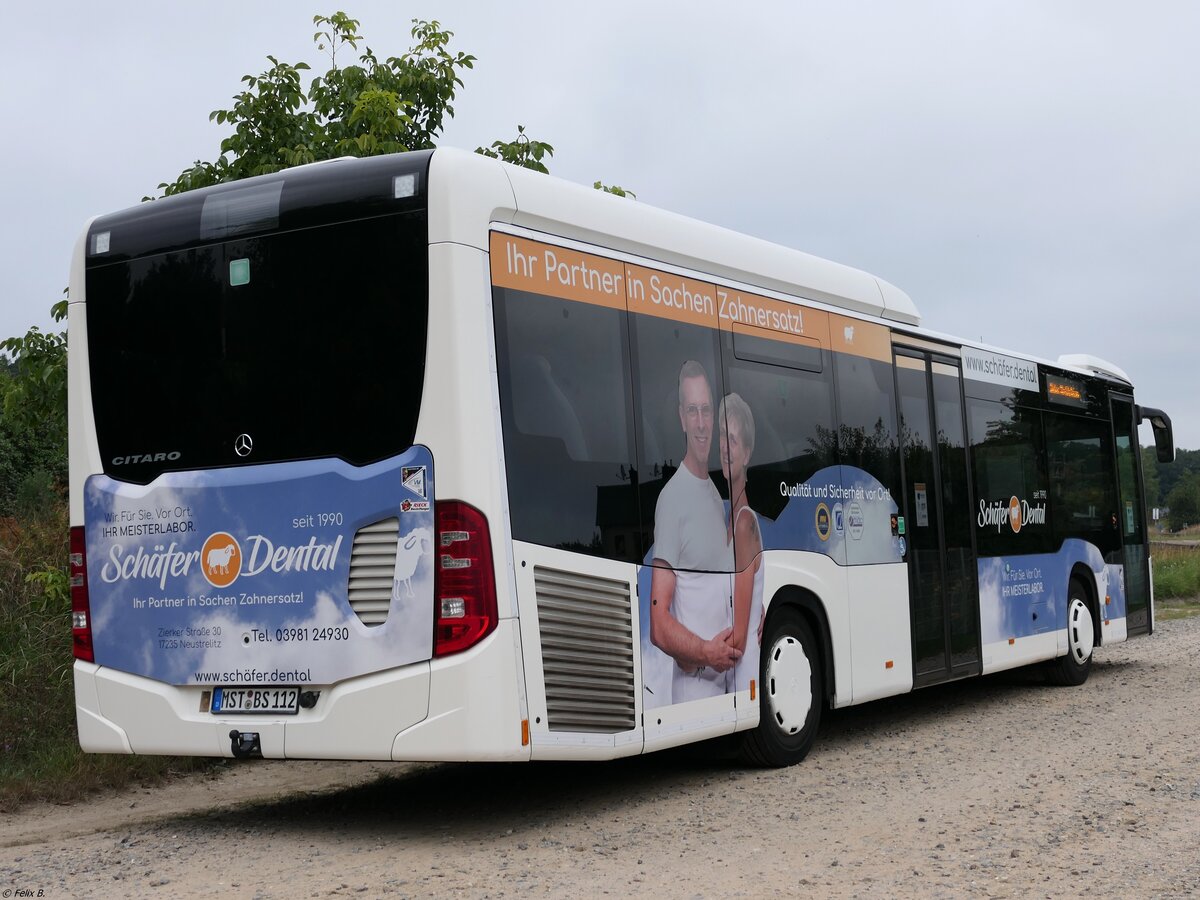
(1166, 610)
(1191, 533)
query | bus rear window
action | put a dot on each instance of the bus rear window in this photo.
(311, 343)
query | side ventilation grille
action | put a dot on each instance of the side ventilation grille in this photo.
(372, 568)
(587, 651)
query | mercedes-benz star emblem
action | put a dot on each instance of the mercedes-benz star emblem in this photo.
(243, 445)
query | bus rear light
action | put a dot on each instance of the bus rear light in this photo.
(464, 581)
(81, 627)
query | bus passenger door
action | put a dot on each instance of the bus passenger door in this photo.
(1131, 512)
(944, 596)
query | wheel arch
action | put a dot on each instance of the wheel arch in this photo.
(810, 606)
(1087, 578)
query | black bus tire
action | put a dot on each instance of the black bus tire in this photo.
(791, 693)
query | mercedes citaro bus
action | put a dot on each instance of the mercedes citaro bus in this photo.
(427, 457)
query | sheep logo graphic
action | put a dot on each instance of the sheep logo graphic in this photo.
(409, 550)
(221, 559)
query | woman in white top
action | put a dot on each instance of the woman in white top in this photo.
(743, 533)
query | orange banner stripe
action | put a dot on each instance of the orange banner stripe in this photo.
(668, 296)
(526, 265)
(550, 270)
(783, 319)
(860, 338)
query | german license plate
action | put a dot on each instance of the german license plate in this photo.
(277, 700)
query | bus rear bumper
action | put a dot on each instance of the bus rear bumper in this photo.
(463, 707)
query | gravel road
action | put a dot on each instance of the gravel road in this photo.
(1000, 787)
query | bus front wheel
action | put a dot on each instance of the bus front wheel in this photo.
(791, 693)
(1073, 669)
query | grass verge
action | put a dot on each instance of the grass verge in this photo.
(1176, 572)
(40, 757)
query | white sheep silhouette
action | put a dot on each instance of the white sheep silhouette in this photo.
(409, 550)
(218, 559)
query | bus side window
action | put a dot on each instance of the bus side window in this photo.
(563, 370)
(664, 347)
(867, 433)
(794, 428)
(1083, 496)
(1007, 464)
(541, 407)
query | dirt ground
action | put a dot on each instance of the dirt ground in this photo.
(997, 787)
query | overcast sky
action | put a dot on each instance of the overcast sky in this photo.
(1028, 172)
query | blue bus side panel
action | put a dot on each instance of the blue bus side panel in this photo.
(1025, 595)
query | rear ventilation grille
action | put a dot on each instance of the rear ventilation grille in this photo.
(372, 569)
(587, 651)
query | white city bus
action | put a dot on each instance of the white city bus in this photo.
(426, 457)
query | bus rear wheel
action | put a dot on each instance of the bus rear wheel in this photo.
(791, 693)
(1073, 669)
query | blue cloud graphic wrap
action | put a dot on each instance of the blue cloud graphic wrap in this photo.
(240, 575)
(1020, 596)
(843, 512)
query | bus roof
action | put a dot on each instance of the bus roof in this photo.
(548, 204)
(554, 206)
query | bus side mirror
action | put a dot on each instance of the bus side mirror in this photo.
(1164, 438)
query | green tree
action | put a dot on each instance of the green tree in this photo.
(368, 107)
(1184, 503)
(614, 189)
(1170, 474)
(362, 107)
(521, 151)
(35, 385)
(33, 427)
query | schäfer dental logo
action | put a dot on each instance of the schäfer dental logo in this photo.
(1014, 514)
(221, 559)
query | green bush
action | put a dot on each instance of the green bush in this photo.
(39, 746)
(36, 497)
(29, 460)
